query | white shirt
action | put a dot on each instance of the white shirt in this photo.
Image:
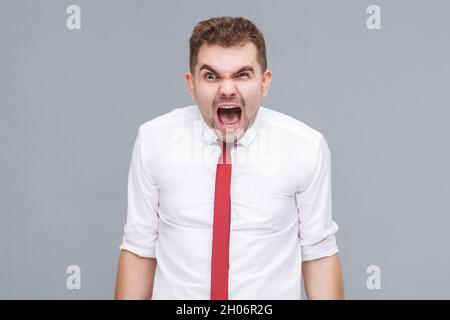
(280, 204)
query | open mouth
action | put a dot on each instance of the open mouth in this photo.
(229, 115)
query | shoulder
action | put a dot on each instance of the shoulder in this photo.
(287, 125)
(169, 120)
(159, 131)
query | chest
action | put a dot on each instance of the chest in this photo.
(262, 191)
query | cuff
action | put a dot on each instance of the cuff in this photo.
(325, 248)
(138, 250)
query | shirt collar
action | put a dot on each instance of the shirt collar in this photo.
(209, 136)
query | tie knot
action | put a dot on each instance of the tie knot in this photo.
(225, 155)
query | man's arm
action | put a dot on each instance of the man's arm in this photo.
(135, 276)
(323, 278)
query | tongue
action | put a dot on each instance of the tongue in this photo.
(229, 116)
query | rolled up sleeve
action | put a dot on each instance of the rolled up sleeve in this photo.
(141, 228)
(316, 226)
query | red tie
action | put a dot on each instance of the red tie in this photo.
(221, 227)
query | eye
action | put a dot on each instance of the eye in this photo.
(210, 76)
(243, 75)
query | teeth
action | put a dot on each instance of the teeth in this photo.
(230, 125)
(228, 107)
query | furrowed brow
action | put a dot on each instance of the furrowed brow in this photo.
(208, 67)
(246, 68)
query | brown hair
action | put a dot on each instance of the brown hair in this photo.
(227, 32)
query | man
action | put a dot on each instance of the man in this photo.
(206, 222)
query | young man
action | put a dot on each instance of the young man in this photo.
(228, 199)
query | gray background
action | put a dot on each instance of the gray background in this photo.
(71, 103)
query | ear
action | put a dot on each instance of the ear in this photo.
(190, 83)
(267, 78)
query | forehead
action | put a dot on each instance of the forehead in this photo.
(228, 59)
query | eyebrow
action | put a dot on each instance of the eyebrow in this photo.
(208, 67)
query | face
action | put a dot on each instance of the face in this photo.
(228, 86)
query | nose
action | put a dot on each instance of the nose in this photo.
(227, 88)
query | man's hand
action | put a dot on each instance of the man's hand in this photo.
(323, 278)
(135, 277)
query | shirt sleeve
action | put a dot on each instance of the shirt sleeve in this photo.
(141, 228)
(316, 227)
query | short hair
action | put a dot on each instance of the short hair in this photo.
(226, 32)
